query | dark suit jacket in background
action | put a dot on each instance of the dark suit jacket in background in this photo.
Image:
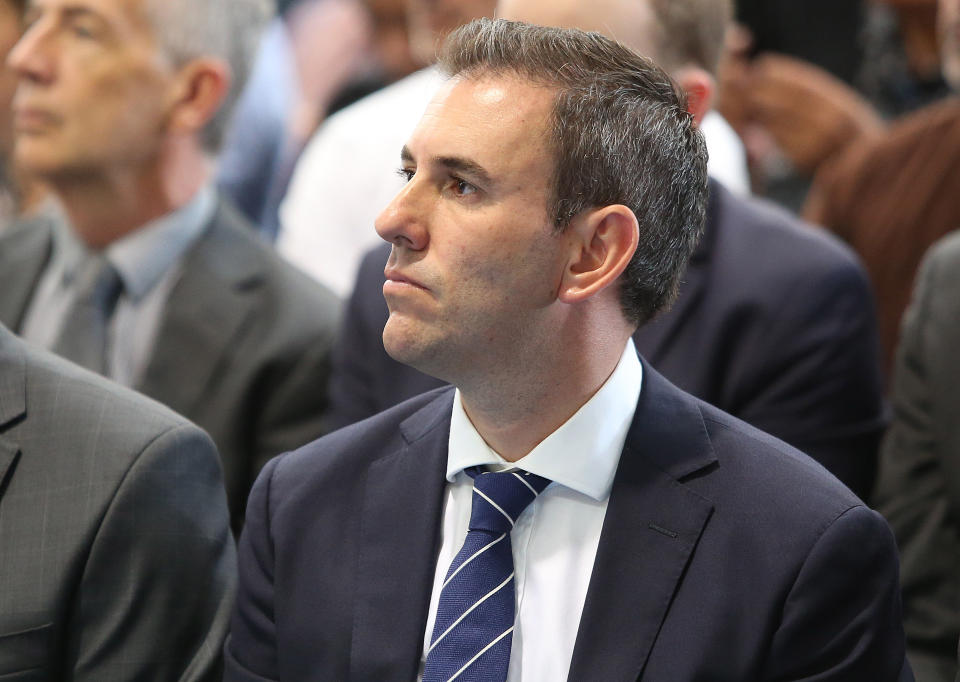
(242, 348)
(774, 324)
(116, 557)
(919, 485)
(725, 555)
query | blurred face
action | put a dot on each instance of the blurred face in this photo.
(430, 20)
(948, 22)
(9, 34)
(94, 89)
(476, 263)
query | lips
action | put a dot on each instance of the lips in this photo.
(32, 119)
(394, 276)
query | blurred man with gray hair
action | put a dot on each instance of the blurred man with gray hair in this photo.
(149, 278)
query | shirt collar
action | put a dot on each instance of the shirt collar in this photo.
(582, 454)
(144, 255)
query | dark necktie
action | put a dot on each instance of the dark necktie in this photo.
(475, 613)
(83, 335)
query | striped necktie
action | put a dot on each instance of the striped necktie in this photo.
(475, 613)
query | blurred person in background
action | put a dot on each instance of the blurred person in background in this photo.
(918, 490)
(149, 277)
(310, 51)
(774, 322)
(116, 559)
(887, 189)
(890, 196)
(919, 485)
(805, 81)
(347, 172)
(18, 195)
(11, 12)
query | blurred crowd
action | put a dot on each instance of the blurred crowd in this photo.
(243, 291)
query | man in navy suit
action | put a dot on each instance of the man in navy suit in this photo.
(774, 322)
(556, 188)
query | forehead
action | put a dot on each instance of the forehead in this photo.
(129, 12)
(489, 118)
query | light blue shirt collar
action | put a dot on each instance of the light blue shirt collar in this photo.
(582, 454)
(144, 255)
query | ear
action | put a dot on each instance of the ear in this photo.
(201, 87)
(603, 241)
(700, 88)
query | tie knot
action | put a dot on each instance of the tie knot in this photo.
(98, 284)
(500, 497)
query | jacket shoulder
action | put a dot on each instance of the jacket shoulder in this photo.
(749, 222)
(59, 387)
(349, 450)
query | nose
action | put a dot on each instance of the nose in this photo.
(32, 57)
(403, 221)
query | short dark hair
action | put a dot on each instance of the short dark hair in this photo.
(621, 135)
(690, 32)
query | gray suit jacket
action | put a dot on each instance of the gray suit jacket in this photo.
(242, 348)
(919, 485)
(116, 558)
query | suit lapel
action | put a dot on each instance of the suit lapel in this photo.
(24, 251)
(653, 339)
(13, 400)
(206, 308)
(652, 525)
(400, 534)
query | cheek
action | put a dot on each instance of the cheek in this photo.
(516, 274)
(126, 98)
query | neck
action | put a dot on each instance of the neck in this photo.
(520, 404)
(107, 204)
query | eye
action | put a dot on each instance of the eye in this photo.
(85, 27)
(406, 173)
(462, 187)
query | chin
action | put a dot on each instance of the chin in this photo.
(34, 160)
(401, 344)
(408, 345)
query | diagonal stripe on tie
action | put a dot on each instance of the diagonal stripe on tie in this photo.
(473, 627)
(454, 571)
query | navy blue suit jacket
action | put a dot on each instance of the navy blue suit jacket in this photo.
(725, 554)
(774, 323)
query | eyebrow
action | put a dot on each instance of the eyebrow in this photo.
(455, 163)
(71, 12)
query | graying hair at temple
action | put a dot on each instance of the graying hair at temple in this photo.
(226, 29)
(621, 134)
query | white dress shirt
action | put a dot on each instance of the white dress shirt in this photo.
(555, 539)
(147, 260)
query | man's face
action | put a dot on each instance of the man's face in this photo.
(948, 21)
(476, 263)
(94, 89)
